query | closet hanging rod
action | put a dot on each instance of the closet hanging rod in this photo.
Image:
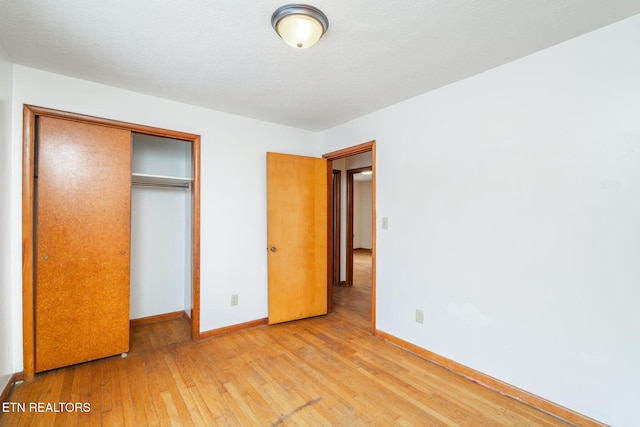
(158, 184)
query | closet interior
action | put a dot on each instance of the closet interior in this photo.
(161, 226)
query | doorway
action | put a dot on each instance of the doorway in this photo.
(358, 300)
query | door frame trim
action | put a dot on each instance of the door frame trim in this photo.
(337, 224)
(28, 169)
(365, 147)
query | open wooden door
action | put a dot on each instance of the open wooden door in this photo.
(296, 236)
(82, 222)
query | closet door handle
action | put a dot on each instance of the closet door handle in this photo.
(123, 252)
(274, 249)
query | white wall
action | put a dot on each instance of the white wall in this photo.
(362, 214)
(233, 192)
(513, 200)
(158, 251)
(6, 319)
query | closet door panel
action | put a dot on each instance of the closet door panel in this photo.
(83, 237)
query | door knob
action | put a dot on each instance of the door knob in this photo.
(273, 249)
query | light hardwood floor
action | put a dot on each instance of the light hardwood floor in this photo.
(325, 371)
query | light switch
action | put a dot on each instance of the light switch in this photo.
(385, 222)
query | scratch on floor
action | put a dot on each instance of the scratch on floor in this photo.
(298, 409)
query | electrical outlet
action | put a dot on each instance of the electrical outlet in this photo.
(234, 299)
(419, 316)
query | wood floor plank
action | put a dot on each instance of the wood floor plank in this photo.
(195, 376)
(284, 401)
(56, 381)
(71, 394)
(244, 404)
(156, 384)
(91, 392)
(117, 409)
(182, 382)
(180, 399)
(172, 411)
(143, 408)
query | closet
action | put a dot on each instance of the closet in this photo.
(110, 234)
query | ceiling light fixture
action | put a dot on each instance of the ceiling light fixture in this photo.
(299, 25)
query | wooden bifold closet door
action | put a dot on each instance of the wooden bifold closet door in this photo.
(82, 223)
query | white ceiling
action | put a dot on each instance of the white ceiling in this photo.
(224, 55)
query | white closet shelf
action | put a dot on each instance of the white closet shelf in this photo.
(162, 180)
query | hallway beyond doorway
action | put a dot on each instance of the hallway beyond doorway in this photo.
(354, 302)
